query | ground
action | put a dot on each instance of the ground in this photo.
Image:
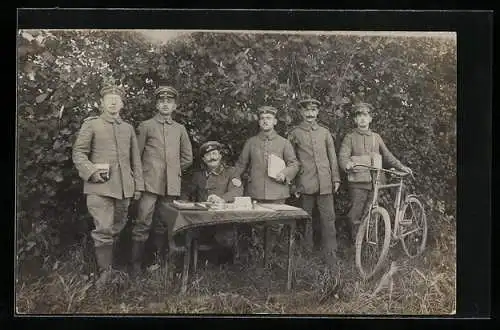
(424, 285)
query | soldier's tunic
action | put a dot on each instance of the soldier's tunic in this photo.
(357, 143)
(165, 151)
(222, 182)
(262, 188)
(319, 172)
(111, 141)
(254, 157)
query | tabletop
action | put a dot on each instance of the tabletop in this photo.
(182, 219)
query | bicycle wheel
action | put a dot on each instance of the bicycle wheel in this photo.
(413, 227)
(372, 242)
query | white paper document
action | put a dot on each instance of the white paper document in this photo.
(280, 207)
(275, 165)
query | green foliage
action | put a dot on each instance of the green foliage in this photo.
(222, 79)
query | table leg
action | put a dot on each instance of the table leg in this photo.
(187, 259)
(267, 244)
(291, 241)
(236, 246)
(308, 236)
(195, 255)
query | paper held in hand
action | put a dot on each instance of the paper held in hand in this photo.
(275, 165)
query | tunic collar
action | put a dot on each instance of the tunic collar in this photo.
(216, 171)
(307, 127)
(268, 136)
(367, 132)
(110, 119)
(162, 119)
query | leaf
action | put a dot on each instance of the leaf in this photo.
(27, 36)
(40, 98)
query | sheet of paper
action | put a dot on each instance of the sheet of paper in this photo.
(275, 165)
(279, 207)
(234, 208)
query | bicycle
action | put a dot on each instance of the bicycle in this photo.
(409, 220)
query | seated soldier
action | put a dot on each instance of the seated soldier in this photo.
(215, 183)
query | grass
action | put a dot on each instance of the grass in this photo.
(424, 285)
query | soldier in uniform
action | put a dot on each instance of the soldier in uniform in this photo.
(216, 183)
(107, 158)
(362, 141)
(255, 155)
(165, 151)
(319, 177)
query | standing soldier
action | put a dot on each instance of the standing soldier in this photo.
(166, 151)
(319, 177)
(107, 158)
(362, 142)
(255, 155)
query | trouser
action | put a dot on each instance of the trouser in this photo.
(326, 210)
(144, 221)
(360, 202)
(272, 232)
(110, 217)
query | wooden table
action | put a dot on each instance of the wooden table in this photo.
(189, 221)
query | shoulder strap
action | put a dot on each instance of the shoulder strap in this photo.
(90, 118)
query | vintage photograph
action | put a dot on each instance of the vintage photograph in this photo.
(236, 172)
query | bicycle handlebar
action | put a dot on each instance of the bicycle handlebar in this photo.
(397, 173)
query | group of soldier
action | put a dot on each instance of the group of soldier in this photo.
(147, 164)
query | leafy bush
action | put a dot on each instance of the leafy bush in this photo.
(222, 79)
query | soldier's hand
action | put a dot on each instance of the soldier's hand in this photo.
(137, 195)
(336, 187)
(349, 166)
(281, 177)
(215, 199)
(407, 169)
(96, 177)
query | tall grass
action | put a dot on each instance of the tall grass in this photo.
(424, 285)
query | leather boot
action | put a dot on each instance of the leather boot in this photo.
(136, 257)
(104, 256)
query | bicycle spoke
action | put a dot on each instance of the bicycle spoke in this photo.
(413, 228)
(410, 232)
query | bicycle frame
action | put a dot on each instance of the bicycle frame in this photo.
(377, 186)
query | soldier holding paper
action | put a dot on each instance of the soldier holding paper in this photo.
(256, 155)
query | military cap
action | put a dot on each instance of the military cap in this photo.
(305, 102)
(166, 91)
(362, 107)
(210, 146)
(111, 88)
(267, 109)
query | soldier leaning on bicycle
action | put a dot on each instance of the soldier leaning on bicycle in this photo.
(363, 146)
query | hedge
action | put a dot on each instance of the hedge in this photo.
(222, 78)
